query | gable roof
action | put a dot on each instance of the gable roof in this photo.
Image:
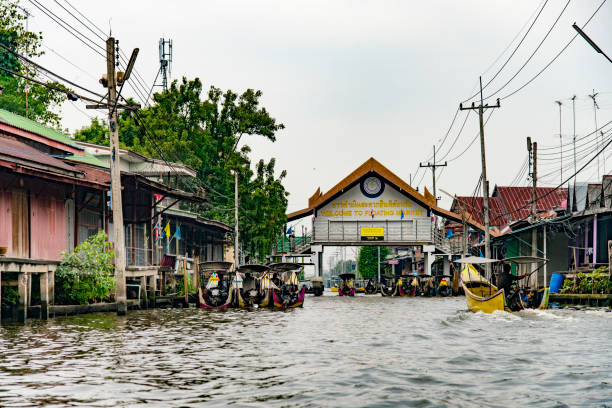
(371, 165)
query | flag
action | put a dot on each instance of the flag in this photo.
(177, 233)
(449, 233)
(167, 229)
(402, 215)
(481, 255)
(372, 213)
(290, 230)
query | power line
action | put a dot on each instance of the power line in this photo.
(513, 52)
(554, 59)
(533, 53)
(65, 27)
(49, 71)
(560, 185)
(80, 21)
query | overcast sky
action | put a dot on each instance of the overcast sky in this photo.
(357, 79)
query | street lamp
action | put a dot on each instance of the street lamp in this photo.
(591, 43)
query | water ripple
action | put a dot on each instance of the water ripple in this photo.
(366, 351)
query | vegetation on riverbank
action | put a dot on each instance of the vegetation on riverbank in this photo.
(597, 281)
(86, 274)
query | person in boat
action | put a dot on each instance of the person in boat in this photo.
(506, 280)
(369, 286)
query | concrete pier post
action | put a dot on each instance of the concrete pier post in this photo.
(144, 290)
(44, 296)
(22, 304)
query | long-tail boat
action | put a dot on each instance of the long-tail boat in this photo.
(370, 288)
(218, 293)
(347, 286)
(251, 294)
(482, 296)
(289, 295)
(388, 287)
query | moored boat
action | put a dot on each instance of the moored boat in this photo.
(388, 287)
(289, 295)
(347, 285)
(370, 288)
(218, 293)
(251, 294)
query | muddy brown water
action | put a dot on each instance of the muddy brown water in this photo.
(367, 351)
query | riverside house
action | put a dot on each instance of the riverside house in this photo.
(54, 194)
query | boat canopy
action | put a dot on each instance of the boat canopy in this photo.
(524, 259)
(253, 268)
(347, 276)
(475, 260)
(284, 266)
(215, 266)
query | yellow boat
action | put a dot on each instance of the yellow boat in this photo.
(334, 289)
(480, 294)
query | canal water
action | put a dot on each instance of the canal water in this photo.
(335, 352)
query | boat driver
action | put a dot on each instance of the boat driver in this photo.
(506, 279)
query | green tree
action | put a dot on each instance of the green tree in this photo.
(368, 260)
(203, 131)
(20, 96)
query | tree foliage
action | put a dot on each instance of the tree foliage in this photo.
(203, 130)
(40, 100)
(368, 260)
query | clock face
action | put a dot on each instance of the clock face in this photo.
(372, 187)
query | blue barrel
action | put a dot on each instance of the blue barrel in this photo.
(556, 280)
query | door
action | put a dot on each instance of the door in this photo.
(21, 226)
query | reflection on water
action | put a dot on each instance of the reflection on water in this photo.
(336, 352)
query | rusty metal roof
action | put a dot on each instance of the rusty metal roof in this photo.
(517, 200)
(474, 206)
(24, 154)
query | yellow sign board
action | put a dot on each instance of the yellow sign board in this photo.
(372, 233)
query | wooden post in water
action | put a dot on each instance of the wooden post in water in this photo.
(185, 285)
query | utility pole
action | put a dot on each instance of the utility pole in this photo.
(485, 182)
(119, 241)
(595, 107)
(433, 171)
(236, 256)
(532, 148)
(560, 139)
(574, 138)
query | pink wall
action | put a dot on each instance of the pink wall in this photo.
(6, 221)
(47, 222)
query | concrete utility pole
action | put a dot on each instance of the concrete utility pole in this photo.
(574, 138)
(560, 139)
(485, 183)
(532, 148)
(119, 239)
(433, 171)
(595, 107)
(236, 256)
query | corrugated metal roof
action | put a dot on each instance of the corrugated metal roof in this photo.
(475, 207)
(516, 200)
(31, 126)
(19, 150)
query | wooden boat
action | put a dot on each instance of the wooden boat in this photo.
(388, 287)
(218, 293)
(408, 287)
(250, 293)
(444, 289)
(482, 296)
(347, 286)
(370, 288)
(289, 295)
(317, 285)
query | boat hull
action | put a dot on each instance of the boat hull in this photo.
(351, 293)
(226, 305)
(279, 303)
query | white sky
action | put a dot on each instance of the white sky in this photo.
(355, 79)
